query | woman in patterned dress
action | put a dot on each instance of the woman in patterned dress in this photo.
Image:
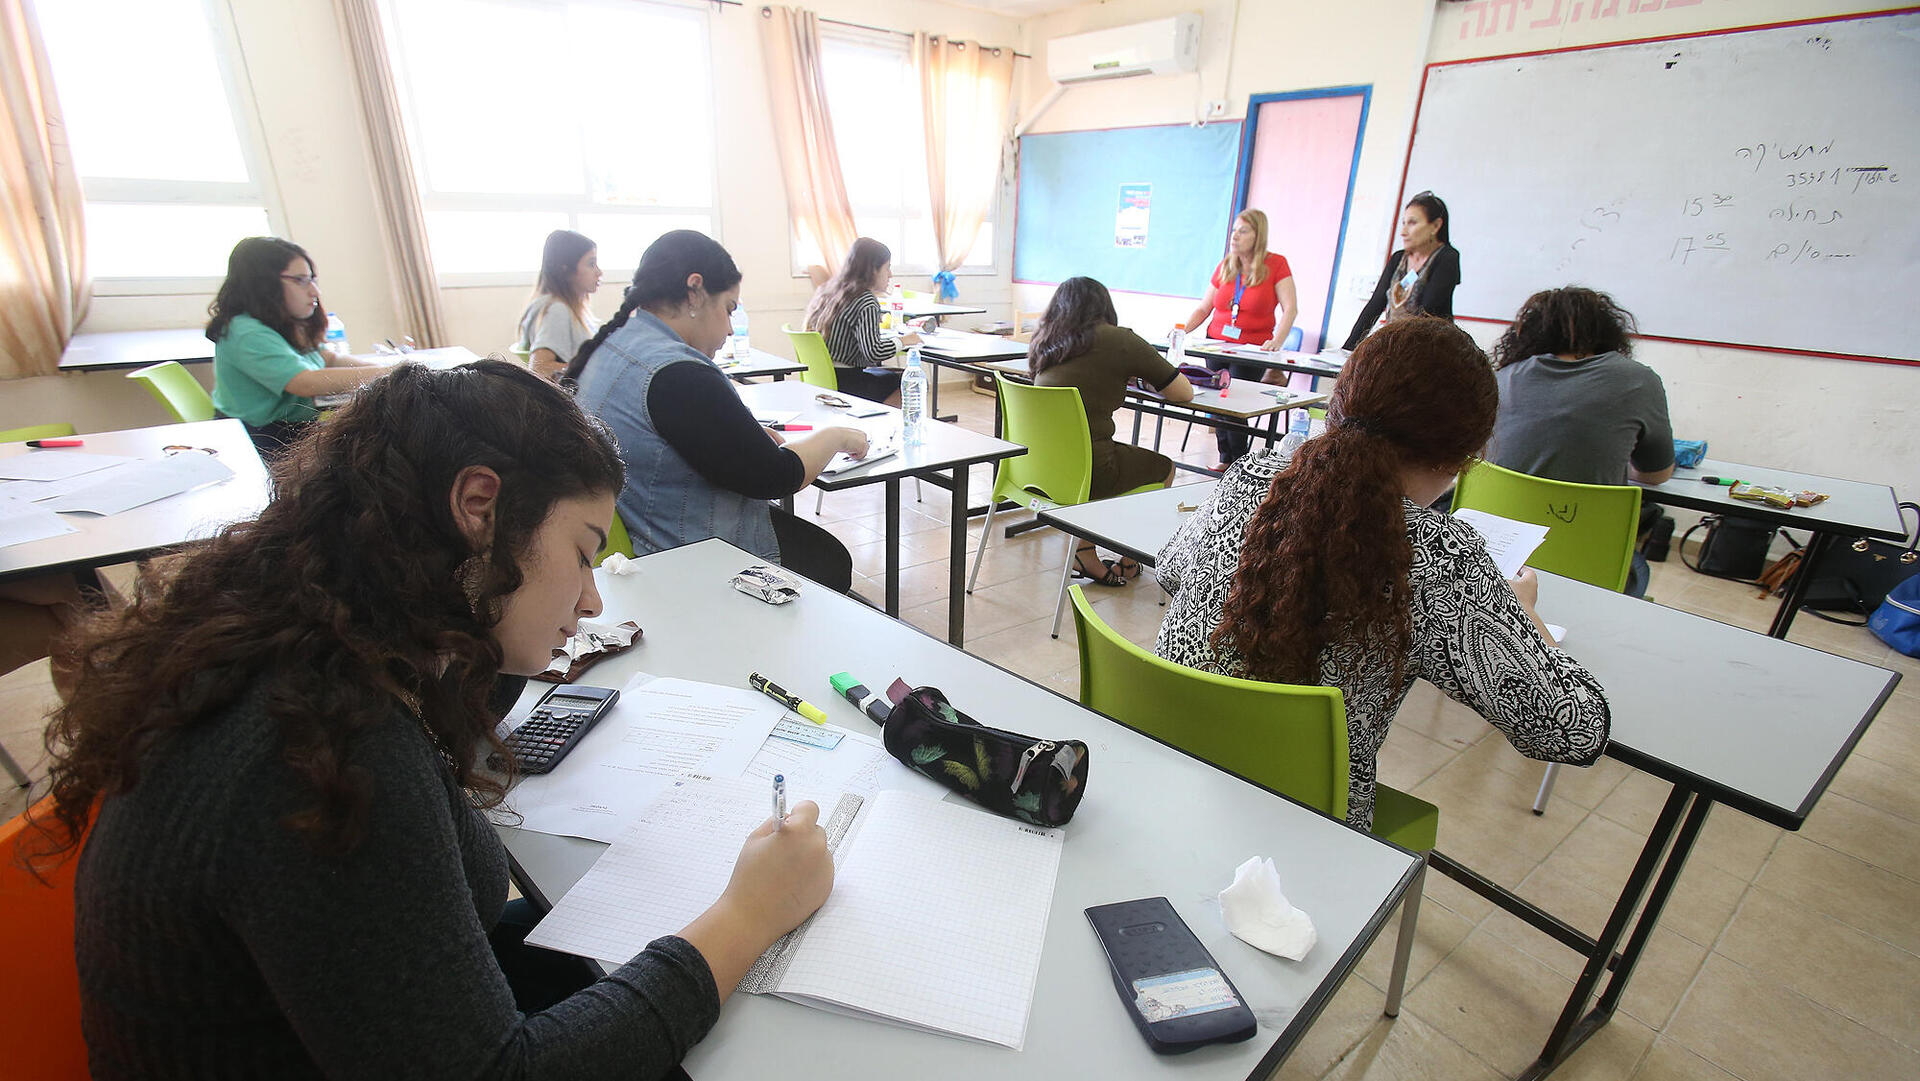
(1328, 568)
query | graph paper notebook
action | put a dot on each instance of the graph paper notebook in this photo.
(936, 921)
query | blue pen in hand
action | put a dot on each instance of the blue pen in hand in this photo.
(779, 801)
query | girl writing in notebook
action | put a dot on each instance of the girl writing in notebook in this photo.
(846, 313)
(272, 759)
(557, 323)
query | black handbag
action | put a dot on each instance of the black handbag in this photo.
(1855, 578)
(1733, 548)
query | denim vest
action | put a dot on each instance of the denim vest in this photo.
(665, 502)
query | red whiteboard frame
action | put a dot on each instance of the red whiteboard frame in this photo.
(1406, 163)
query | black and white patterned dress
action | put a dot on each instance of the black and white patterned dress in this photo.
(1471, 636)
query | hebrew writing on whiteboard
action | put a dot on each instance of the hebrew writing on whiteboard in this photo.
(1755, 188)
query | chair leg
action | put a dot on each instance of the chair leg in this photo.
(919, 491)
(20, 776)
(1546, 788)
(986, 534)
(1066, 572)
(1403, 945)
(819, 498)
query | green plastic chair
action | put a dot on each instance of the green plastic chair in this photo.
(1056, 470)
(36, 431)
(617, 541)
(810, 348)
(175, 387)
(1290, 739)
(522, 353)
(1591, 533)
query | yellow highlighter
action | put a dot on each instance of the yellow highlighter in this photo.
(792, 701)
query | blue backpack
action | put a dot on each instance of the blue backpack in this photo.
(1897, 620)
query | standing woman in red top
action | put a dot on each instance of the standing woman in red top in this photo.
(1250, 301)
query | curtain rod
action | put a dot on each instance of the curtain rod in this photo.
(861, 26)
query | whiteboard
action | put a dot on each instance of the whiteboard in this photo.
(1758, 188)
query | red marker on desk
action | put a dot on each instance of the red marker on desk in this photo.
(45, 443)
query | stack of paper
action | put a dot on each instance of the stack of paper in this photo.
(1510, 543)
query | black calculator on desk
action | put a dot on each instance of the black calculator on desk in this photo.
(556, 724)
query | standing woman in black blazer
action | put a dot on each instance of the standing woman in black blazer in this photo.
(1419, 278)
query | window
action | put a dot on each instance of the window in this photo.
(166, 158)
(873, 95)
(528, 116)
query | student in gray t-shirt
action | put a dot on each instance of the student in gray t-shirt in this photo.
(1574, 404)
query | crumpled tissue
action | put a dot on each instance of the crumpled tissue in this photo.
(616, 563)
(1258, 913)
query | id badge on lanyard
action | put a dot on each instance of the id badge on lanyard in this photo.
(1232, 329)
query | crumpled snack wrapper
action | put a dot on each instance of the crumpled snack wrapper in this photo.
(593, 641)
(1259, 914)
(766, 583)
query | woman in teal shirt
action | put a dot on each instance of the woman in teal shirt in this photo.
(266, 326)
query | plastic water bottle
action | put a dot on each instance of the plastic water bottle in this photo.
(898, 309)
(1177, 347)
(336, 339)
(1299, 429)
(739, 320)
(913, 401)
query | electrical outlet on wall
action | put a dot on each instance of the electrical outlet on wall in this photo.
(1216, 108)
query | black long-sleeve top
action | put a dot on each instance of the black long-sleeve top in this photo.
(1433, 295)
(701, 416)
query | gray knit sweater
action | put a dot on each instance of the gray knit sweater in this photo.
(212, 943)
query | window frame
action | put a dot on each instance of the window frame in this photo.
(261, 190)
(892, 41)
(569, 205)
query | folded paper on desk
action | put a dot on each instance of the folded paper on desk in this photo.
(21, 521)
(141, 483)
(55, 464)
(936, 921)
(1510, 543)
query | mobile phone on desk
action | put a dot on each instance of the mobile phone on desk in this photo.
(1173, 989)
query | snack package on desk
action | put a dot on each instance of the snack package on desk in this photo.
(593, 641)
(765, 583)
(1775, 497)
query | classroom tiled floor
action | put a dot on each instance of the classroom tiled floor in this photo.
(1781, 955)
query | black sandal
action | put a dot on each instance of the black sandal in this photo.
(1110, 575)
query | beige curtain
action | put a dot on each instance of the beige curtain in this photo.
(43, 273)
(803, 131)
(415, 287)
(964, 87)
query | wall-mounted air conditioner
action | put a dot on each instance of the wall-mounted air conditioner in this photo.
(1160, 47)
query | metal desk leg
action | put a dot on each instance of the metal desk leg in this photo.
(1817, 546)
(13, 769)
(893, 546)
(957, 559)
(1666, 853)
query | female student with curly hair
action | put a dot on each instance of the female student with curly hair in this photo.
(266, 325)
(290, 874)
(1329, 569)
(557, 323)
(846, 313)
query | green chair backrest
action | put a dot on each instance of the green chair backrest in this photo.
(1291, 739)
(1051, 422)
(521, 353)
(617, 540)
(177, 389)
(36, 431)
(810, 348)
(1591, 527)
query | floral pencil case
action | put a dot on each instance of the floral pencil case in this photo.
(1039, 781)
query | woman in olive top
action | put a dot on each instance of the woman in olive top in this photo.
(266, 325)
(1250, 301)
(846, 313)
(557, 323)
(1421, 276)
(1080, 345)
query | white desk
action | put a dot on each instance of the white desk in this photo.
(759, 363)
(135, 349)
(1286, 360)
(949, 450)
(1154, 822)
(1722, 714)
(1855, 509)
(157, 526)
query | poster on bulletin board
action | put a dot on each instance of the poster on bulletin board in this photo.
(1144, 210)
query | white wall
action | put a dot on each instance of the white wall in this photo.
(301, 79)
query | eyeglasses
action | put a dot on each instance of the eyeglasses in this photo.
(833, 401)
(301, 280)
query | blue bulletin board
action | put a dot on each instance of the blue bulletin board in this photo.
(1144, 210)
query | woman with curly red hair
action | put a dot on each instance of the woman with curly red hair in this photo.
(1328, 568)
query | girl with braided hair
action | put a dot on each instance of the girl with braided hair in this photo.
(1328, 568)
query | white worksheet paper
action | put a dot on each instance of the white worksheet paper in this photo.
(143, 483)
(54, 464)
(989, 879)
(659, 730)
(34, 491)
(21, 521)
(1510, 543)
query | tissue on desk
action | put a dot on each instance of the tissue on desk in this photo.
(1258, 913)
(616, 563)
